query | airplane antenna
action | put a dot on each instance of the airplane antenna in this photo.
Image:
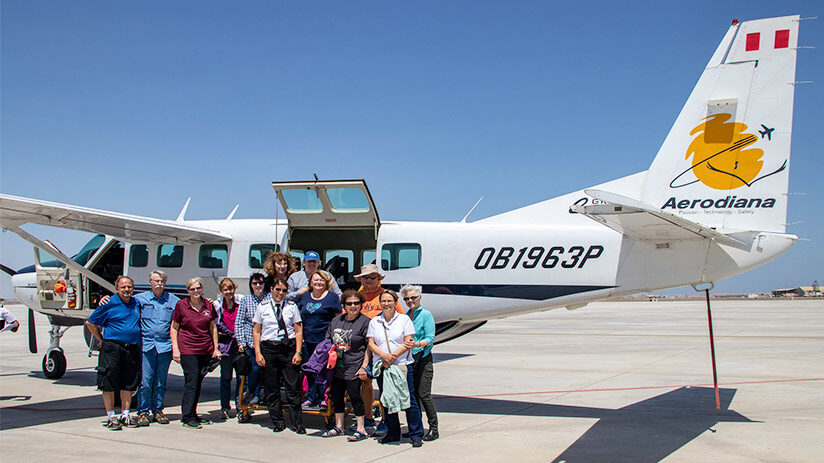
(316, 176)
(473, 208)
(232, 214)
(183, 211)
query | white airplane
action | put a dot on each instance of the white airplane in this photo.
(713, 204)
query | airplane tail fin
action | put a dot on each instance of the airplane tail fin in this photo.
(725, 162)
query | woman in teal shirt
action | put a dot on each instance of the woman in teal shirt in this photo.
(421, 347)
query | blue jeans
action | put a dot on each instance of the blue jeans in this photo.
(153, 382)
(413, 413)
(253, 378)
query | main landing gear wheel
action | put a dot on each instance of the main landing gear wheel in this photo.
(54, 364)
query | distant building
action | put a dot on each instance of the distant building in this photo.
(801, 291)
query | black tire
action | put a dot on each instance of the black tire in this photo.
(54, 364)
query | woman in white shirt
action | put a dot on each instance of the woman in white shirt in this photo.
(278, 339)
(387, 333)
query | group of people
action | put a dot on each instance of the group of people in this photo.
(289, 325)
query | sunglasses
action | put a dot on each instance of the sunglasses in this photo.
(369, 277)
(410, 298)
(257, 283)
(196, 288)
(281, 290)
(352, 304)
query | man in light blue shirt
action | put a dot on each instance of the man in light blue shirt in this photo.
(156, 307)
(299, 281)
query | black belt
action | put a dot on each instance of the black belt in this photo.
(280, 342)
(120, 343)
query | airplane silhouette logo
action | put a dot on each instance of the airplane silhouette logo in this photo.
(767, 131)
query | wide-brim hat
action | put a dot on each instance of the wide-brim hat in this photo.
(369, 269)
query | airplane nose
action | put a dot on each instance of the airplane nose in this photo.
(25, 286)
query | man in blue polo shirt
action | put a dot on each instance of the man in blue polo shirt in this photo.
(118, 365)
(156, 307)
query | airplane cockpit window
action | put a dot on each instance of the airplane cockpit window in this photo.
(302, 201)
(139, 255)
(259, 252)
(400, 256)
(348, 200)
(170, 255)
(89, 249)
(213, 255)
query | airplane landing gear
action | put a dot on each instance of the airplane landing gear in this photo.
(54, 362)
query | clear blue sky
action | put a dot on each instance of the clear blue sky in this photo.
(133, 106)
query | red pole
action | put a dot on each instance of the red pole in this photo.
(712, 352)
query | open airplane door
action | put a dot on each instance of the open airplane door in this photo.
(58, 287)
(336, 218)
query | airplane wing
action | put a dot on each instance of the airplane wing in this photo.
(15, 211)
(646, 223)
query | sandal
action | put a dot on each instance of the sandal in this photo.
(336, 431)
(357, 436)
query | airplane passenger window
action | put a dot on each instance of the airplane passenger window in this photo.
(345, 253)
(400, 256)
(258, 254)
(368, 257)
(139, 255)
(213, 255)
(170, 255)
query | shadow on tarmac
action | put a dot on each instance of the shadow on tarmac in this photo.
(646, 431)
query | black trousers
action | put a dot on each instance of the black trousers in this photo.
(340, 387)
(279, 366)
(192, 380)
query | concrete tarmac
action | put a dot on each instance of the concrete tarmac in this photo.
(611, 382)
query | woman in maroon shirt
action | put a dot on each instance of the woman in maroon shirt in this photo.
(194, 344)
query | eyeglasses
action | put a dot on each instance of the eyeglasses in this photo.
(195, 288)
(410, 298)
(369, 277)
(352, 304)
(257, 283)
(281, 290)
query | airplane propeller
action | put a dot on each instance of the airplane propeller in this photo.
(32, 334)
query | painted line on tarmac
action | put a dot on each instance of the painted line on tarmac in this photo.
(636, 388)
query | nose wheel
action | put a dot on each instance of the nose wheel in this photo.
(54, 364)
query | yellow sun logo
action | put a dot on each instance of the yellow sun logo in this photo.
(719, 157)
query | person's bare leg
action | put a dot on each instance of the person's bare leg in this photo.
(339, 420)
(359, 421)
(368, 394)
(108, 401)
(125, 400)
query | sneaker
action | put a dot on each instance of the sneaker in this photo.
(417, 443)
(161, 418)
(255, 400)
(129, 421)
(299, 429)
(113, 424)
(244, 416)
(203, 420)
(382, 428)
(225, 414)
(143, 420)
(192, 424)
(431, 435)
(306, 404)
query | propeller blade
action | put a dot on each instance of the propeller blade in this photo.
(32, 334)
(8, 270)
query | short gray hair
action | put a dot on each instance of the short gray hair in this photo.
(406, 288)
(159, 273)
